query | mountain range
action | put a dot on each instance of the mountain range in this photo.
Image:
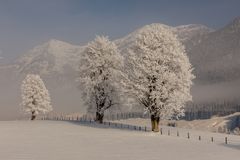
(214, 54)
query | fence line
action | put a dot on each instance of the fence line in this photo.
(128, 115)
(83, 120)
(167, 131)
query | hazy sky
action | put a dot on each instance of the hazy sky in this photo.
(26, 23)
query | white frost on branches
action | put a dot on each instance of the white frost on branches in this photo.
(99, 68)
(35, 96)
(159, 73)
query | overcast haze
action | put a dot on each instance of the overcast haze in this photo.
(26, 23)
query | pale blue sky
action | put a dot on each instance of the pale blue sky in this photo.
(26, 23)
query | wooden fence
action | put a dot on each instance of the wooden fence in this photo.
(166, 131)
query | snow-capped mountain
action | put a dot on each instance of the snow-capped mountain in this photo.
(58, 57)
(52, 56)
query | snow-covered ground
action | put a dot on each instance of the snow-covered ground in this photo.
(58, 140)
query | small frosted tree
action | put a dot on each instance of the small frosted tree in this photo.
(35, 96)
(99, 68)
(159, 73)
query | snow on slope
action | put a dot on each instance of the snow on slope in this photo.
(49, 57)
(187, 32)
(51, 140)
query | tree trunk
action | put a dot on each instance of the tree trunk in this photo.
(155, 123)
(99, 117)
(33, 116)
(152, 122)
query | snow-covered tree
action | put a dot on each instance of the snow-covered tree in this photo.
(35, 96)
(99, 67)
(159, 73)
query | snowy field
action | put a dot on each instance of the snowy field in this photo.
(58, 140)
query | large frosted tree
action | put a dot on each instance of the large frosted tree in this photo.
(35, 96)
(99, 68)
(159, 73)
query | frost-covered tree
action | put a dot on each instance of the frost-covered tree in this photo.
(99, 67)
(159, 73)
(35, 96)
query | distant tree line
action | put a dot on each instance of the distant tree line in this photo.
(207, 110)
